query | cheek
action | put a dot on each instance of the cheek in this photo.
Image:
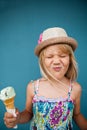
(47, 62)
(67, 62)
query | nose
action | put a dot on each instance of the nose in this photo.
(56, 60)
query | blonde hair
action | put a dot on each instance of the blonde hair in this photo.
(72, 71)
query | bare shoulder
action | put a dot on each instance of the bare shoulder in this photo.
(30, 88)
(76, 86)
(32, 84)
(77, 89)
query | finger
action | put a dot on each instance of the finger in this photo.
(8, 115)
(10, 123)
(12, 119)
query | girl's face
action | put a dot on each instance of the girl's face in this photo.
(56, 61)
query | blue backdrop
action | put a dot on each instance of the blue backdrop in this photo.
(21, 22)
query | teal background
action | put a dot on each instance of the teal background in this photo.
(21, 22)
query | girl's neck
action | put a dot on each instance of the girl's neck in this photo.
(63, 81)
(58, 82)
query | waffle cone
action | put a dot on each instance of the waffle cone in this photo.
(9, 103)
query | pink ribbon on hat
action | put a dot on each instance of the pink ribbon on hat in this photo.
(40, 38)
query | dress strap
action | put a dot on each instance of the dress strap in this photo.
(36, 86)
(70, 90)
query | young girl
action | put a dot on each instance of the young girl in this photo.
(54, 99)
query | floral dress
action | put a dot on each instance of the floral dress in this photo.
(52, 114)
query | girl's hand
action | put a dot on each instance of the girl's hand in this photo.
(10, 121)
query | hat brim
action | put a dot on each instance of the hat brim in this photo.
(59, 40)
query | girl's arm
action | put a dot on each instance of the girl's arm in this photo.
(27, 114)
(24, 116)
(79, 119)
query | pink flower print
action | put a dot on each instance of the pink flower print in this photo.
(40, 38)
(56, 114)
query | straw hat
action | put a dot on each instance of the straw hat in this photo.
(53, 36)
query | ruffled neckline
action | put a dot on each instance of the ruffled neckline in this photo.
(46, 99)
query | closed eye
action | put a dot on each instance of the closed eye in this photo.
(63, 56)
(50, 56)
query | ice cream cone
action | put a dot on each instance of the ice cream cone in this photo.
(7, 95)
(9, 103)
